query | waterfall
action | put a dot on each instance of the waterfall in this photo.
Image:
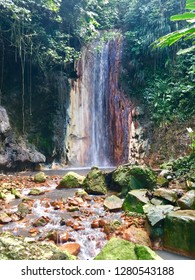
(99, 113)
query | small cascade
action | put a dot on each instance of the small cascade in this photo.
(99, 112)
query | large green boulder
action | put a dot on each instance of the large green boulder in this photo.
(121, 178)
(119, 249)
(95, 182)
(187, 201)
(135, 200)
(71, 180)
(18, 248)
(179, 229)
(146, 176)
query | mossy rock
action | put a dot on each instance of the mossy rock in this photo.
(135, 200)
(146, 176)
(179, 229)
(17, 248)
(71, 180)
(40, 177)
(95, 182)
(121, 177)
(168, 194)
(119, 249)
(162, 181)
(36, 192)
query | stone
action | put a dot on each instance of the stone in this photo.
(119, 249)
(40, 222)
(113, 203)
(187, 201)
(71, 180)
(16, 193)
(179, 228)
(162, 181)
(95, 182)
(156, 213)
(137, 235)
(168, 194)
(64, 237)
(135, 200)
(4, 121)
(36, 192)
(4, 218)
(145, 253)
(145, 176)
(122, 178)
(24, 209)
(40, 177)
(81, 193)
(17, 248)
(71, 248)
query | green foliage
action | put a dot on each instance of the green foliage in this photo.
(187, 33)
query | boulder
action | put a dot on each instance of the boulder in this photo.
(18, 248)
(162, 181)
(122, 178)
(16, 153)
(119, 249)
(179, 228)
(4, 218)
(156, 213)
(145, 176)
(36, 192)
(95, 182)
(137, 235)
(113, 203)
(40, 177)
(135, 200)
(168, 194)
(71, 180)
(72, 248)
(187, 201)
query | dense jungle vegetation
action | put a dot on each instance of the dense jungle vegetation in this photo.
(41, 39)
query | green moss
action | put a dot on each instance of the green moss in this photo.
(40, 177)
(135, 200)
(145, 253)
(95, 182)
(71, 180)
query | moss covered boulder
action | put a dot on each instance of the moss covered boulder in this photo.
(135, 200)
(119, 249)
(179, 229)
(95, 182)
(71, 180)
(187, 201)
(18, 248)
(133, 177)
(40, 177)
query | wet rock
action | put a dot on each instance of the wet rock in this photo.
(81, 193)
(40, 177)
(95, 182)
(135, 200)
(42, 221)
(72, 208)
(95, 224)
(122, 178)
(156, 213)
(64, 237)
(34, 231)
(168, 194)
(36, 192)
(119, 249)
(179, 228)
(16, 193)
(71, 180)
(137, 235)
(9, 197)
(24, 209)
(17, 248)
(2, 195)
(14, 217)
(162, 181)
(4, 218)
(187, 201)
(71, 248)
(113, 203)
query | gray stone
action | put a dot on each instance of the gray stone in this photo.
(187, 201)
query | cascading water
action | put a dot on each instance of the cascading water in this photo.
(99, 113)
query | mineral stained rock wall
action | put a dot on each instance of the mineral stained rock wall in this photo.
(100, 115)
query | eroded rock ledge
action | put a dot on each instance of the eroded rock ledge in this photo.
(16, 154)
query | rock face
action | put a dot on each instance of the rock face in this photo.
(71, 180)
(15, 153)
(179, 228)
(95, 182)
(119, 249)
(17, 248)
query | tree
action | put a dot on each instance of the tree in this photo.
(187, 33)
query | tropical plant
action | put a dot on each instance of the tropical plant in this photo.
(187, 33)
